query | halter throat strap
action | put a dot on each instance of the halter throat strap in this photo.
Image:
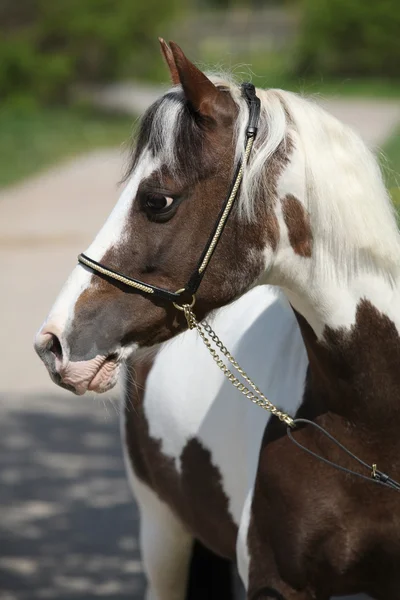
(183, 295)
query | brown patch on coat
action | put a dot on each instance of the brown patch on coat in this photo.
(298, 225)
(317, 532)
(195, 493)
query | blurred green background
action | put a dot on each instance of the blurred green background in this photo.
(50, 49)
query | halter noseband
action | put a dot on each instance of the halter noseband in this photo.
(181, 296)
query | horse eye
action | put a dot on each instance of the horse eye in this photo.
(158, 203)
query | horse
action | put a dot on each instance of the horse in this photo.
(305, 210)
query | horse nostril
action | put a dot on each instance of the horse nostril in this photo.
(48, 344)
(54, 346)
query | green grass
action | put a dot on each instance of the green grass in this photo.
(320, 86)
(36, 138)
(280, 75)
(275, 70)
(365, 88)
(391, 167)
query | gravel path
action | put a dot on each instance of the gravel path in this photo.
(69, 529)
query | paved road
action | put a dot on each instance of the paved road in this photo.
(68, 529)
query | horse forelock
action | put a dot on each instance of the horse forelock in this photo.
(171, 134)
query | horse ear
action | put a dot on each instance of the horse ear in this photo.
(169, 59)
(202, 94)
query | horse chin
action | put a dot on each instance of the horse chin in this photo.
(105, 378)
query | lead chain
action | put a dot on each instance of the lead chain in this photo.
(208, 337)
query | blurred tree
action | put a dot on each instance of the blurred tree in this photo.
(350, 37)
(230, 4)
(46, 45)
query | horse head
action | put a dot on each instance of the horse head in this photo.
(188, 148)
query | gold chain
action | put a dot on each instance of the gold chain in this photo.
(209, 338)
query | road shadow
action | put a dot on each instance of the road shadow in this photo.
(68, 526)
(68, 523)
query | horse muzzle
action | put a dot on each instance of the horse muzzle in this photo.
(98, 374)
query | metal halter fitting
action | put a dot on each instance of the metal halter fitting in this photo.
(186, 295)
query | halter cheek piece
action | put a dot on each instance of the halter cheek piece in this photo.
(180, 297)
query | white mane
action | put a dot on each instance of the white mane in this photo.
(345, 195)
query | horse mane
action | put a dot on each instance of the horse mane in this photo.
(344, 193)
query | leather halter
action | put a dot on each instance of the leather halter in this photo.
(180, 297)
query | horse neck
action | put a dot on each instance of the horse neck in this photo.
(351, 333)
(350, 325)
(336, 255)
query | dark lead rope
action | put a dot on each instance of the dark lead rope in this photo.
(376, 476)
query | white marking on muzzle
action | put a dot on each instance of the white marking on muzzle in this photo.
(112, 233)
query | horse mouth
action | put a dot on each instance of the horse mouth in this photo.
(107, 375)
(99, 374)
